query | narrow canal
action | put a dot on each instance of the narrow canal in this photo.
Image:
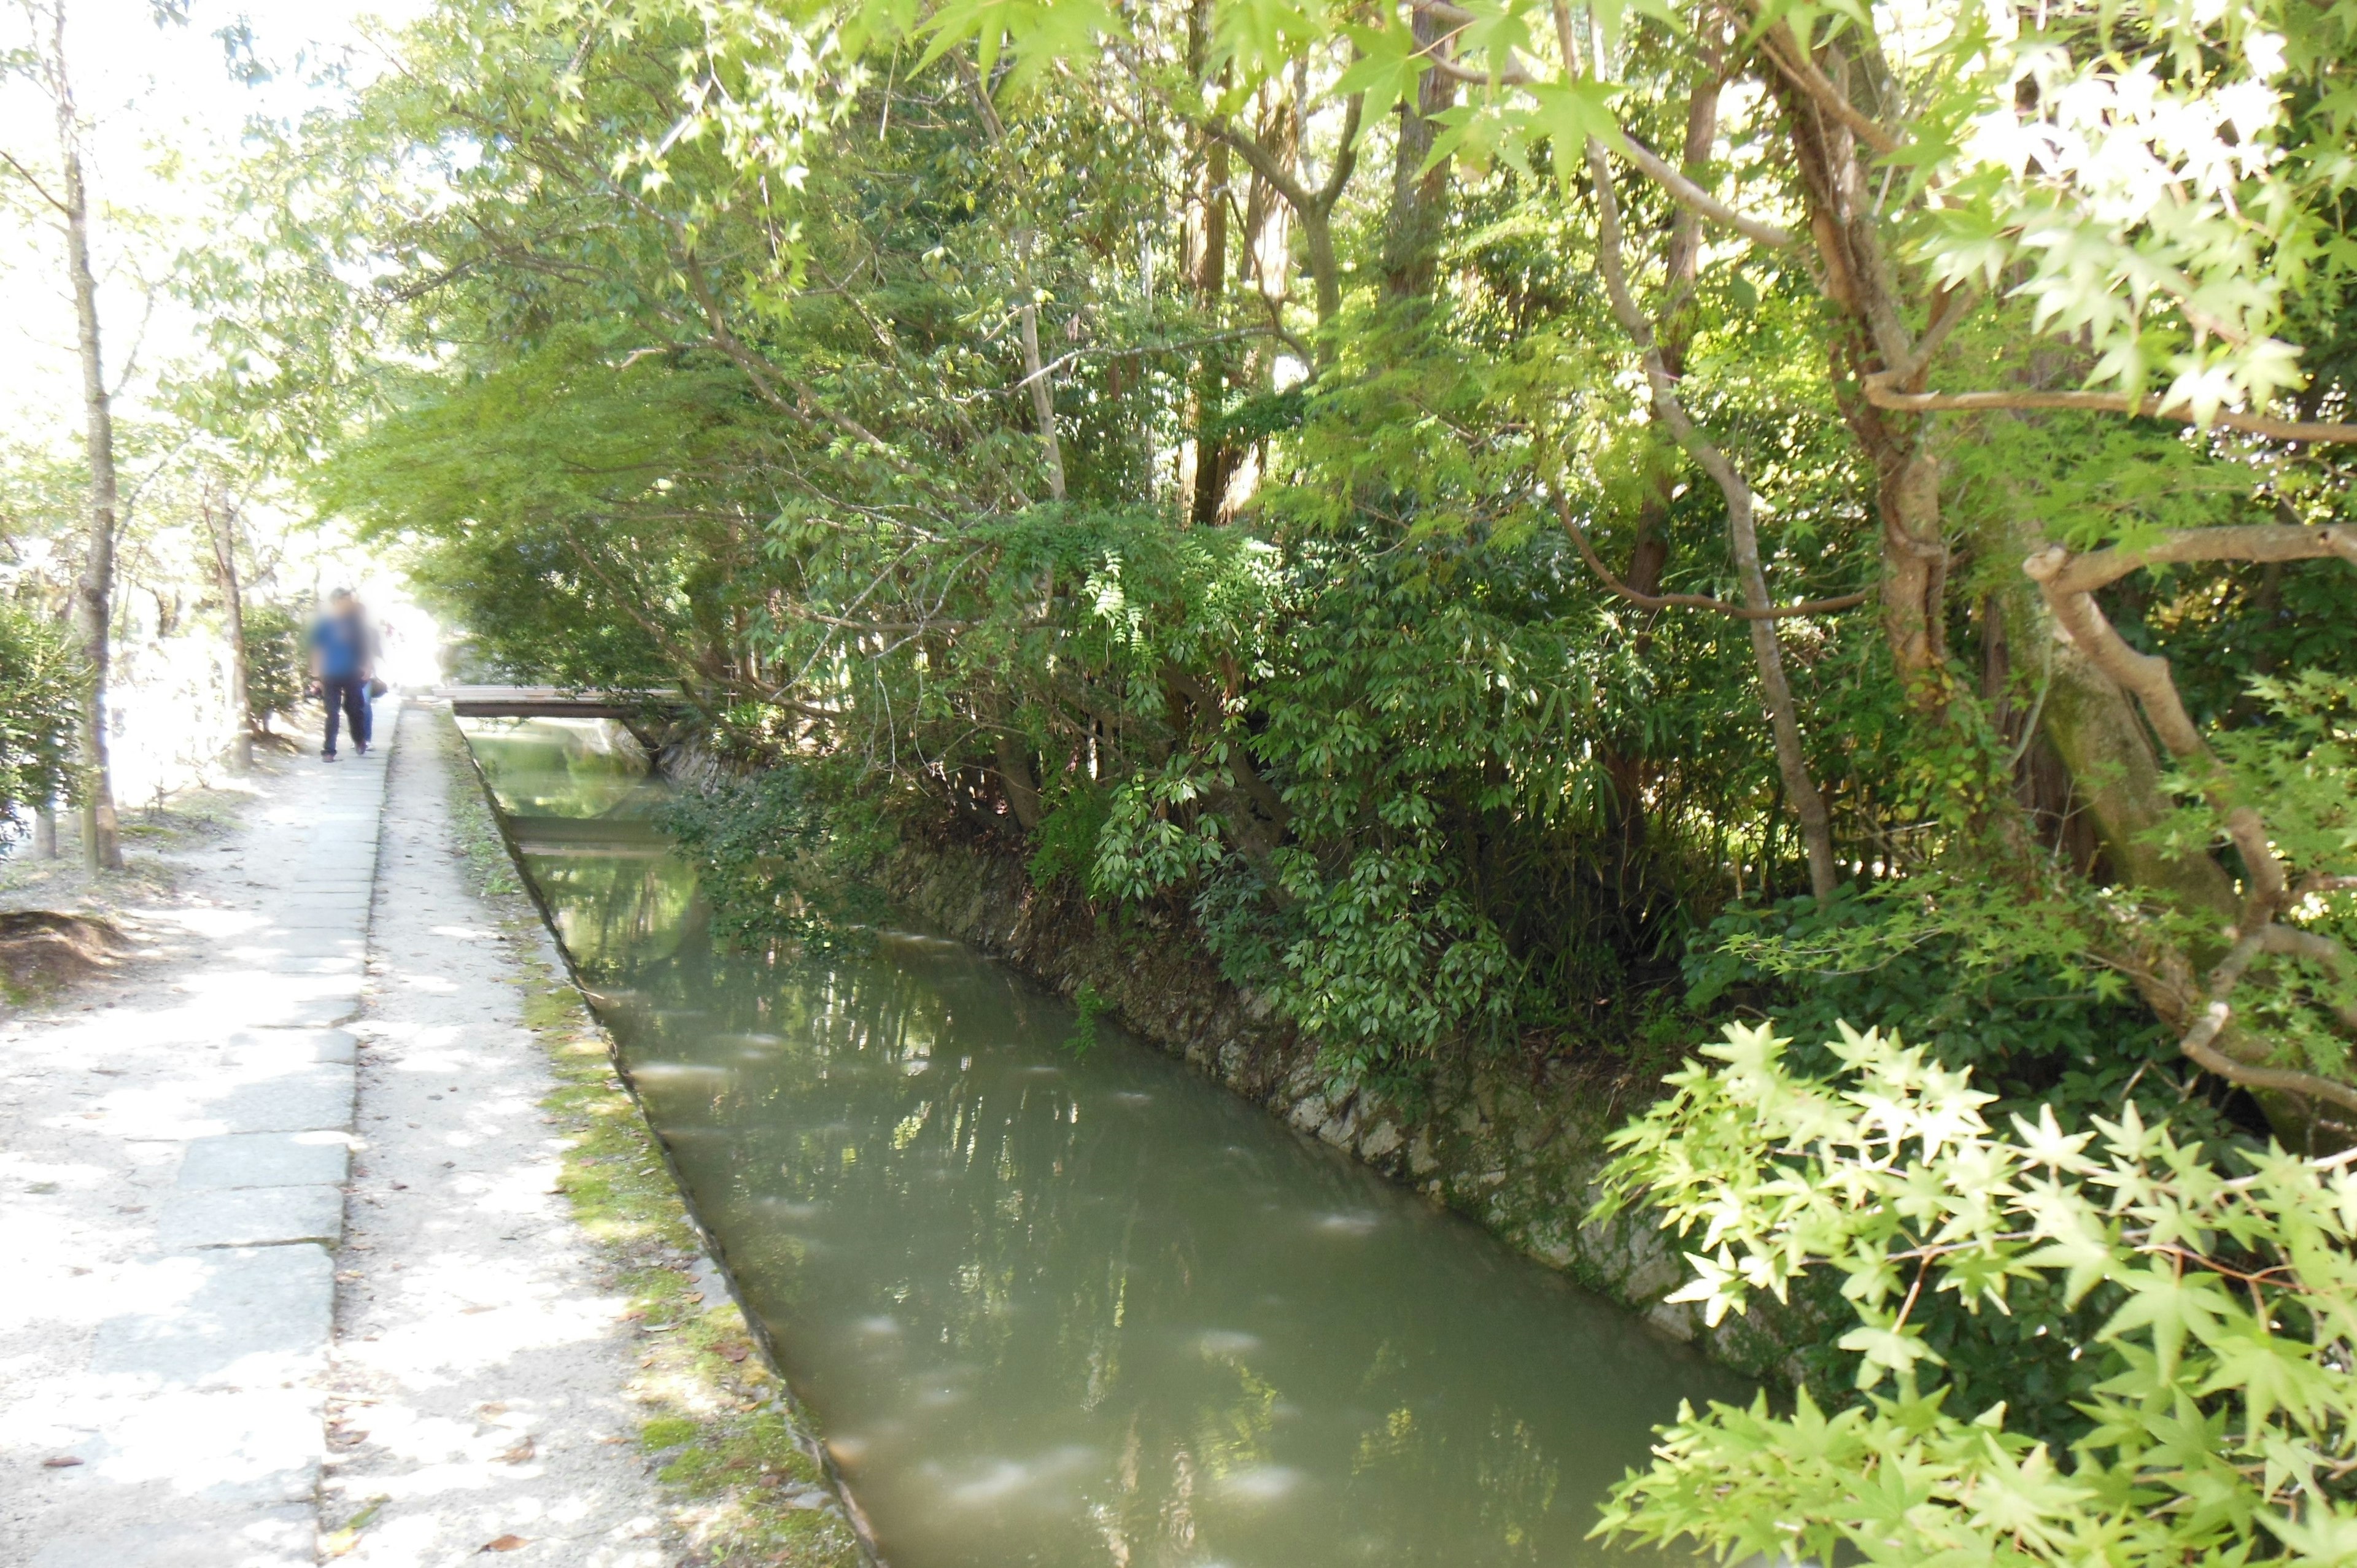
(1077, 1309)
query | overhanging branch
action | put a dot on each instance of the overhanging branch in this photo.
(1692, 601)
(1880, 393)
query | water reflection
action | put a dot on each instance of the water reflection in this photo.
(1063, 1311)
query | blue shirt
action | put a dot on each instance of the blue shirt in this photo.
(342, 641)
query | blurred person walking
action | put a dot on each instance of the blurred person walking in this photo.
(343, 666)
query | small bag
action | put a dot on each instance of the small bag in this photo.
(377, 688)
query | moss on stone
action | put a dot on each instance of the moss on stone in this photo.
(735, 1452)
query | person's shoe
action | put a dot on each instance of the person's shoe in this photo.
(360, 748)
(327, 756)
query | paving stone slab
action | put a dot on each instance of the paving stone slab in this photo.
(254, 1447)
(274, 1538)
(261, 1047)
(296, 1100)
(246, 1316)
(267, 1159)
(309, 1001)
(351, 962)
(253, 1216)
(310, 942)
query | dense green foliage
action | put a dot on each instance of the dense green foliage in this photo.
(277, 667)
(38, 697)
(2213, 1303)
(776, 863)
(1313, 470)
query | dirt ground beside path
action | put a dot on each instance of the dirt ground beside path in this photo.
(478, 1395)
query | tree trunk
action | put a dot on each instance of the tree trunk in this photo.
(1649, 554)
(45, 832)
(94, 594)
(1204, 461)
(1325, 276)
(1855, 274)
(1419, 195)
(1035, 374)
(1792, 761)
(223, 522)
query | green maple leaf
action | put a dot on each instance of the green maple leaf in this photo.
(2171, 1307)
(1495, 31)
(1261, 35)
(1387, 70)
(1569, 114)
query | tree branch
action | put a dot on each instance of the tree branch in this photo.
(1691, 601)
(1687, 193)
(1778, 43)
(758, 372)
(1263, 164)
(1801, 789)
(1880, 393)
(2251, 542)
(34, 180)
(2200, 1047)
(1649, 162)
(2147, 677)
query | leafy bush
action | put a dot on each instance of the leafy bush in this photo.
(2222, 1425)
(275, 668)
(1065, 842)
(780, 857)
(39, 685)
(1977, 987)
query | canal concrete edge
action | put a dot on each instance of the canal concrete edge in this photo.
(711, 1267)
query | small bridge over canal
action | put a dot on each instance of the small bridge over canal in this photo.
(646, 714)
(555, 702)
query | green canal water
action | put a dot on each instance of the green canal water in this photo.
(1077, 1309)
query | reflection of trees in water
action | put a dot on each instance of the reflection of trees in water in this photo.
(537, 767)
(617, 913)
(1003, 1227)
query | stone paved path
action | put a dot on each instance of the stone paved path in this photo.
(173, 1148)
(200, 1367)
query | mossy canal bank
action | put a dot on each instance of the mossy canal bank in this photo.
(536, 1354)
(1063, 1307)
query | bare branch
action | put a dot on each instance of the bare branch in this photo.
(2146, 677)
(1790, 57)
(29, 177)
(2200, 1047)
(2251, 542)
(2290, 941)
(1880, 393)
(1801, 789)
(1263, 164)
(1691, 601)
(1655, 168)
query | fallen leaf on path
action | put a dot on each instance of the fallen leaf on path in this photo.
(504, 1543)
(518, 1454)
(734, 1352)
(62, 1462)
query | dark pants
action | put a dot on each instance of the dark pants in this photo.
(346, 696)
